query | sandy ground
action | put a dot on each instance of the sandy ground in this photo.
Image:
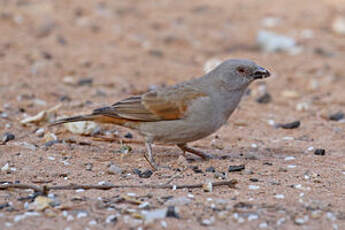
(87, 54)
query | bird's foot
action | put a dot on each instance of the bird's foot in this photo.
(197, 152)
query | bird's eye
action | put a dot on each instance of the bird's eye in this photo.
(241, 69)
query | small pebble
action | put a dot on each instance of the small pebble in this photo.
(196, 169)
(85, 81)
(236, 168)
(7, 137)
(337, 116)
(279, 196)
(114, 169)
(264, 99)
(171, 212)
(210, 169)
(146, 174)
(291, 166)
(310, 148)
(320, 152)
(289, 158)
(129, 135)
(292, 125)
(253, 187)
(88, 166)
(254, 180)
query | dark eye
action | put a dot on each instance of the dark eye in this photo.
(241, 69)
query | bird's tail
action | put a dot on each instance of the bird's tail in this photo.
(100, 118)
(90, 117)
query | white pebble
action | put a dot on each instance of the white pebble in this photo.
(253, 217)
(164, 224)
(271, 122)
(288, 138)
(5, 167)
(253, 187)
(92, 222)
(70, 218)
(263, 225)
(289, 158)
(279, 196)
(51, 158)
(310, 148)
(331, 216)
(190, 195)
(81, 215)
(254, 145)
(291, 166)
(280, 221)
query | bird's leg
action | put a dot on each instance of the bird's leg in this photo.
(199, 153)
(148, 156)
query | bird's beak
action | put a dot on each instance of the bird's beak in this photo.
(261, 73)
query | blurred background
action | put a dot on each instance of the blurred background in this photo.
(85, 54)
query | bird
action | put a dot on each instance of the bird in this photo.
(182, 113)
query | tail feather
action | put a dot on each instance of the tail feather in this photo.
(90, 117)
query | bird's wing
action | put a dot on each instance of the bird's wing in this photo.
(168, 104)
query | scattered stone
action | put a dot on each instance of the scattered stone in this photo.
(7, 137)
(146, 174)
(254, 179)
(40, 203)
(129, 135)
(125, 149)
(338, 25)
(114, 169)
(207, 187)
(49, 137)
(171, 212)
(6, 167)
(40, 132)
(88, 166)
(272, 42)
(279, 196)
(292, 125)
(236, 168)
(196, 169)
(264, 99)
(336, 116)
(220, 175)
(112, 219)
(85, 81)
(320, 152)
(208, 222)
(289, 158)
(51, 143)
(210, 169)
(82, 127)
(253, 187)
(301, 220)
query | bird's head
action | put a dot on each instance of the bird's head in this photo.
(238, 73)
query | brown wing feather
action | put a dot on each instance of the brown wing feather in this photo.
(167, 104)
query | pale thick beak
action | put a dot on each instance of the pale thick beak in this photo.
(261, 73)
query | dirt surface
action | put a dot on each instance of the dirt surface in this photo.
(89, 53)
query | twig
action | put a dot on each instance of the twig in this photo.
(45, 189)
